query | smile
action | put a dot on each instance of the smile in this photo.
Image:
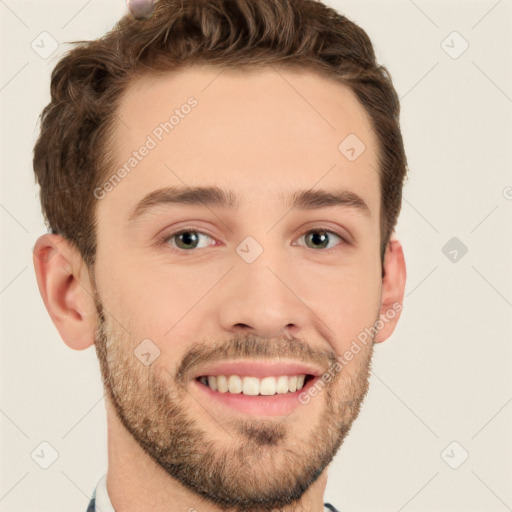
(253, 386)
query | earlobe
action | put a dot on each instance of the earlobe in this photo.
(393, 287)
(66, 290)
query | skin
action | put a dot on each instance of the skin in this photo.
(170, 448)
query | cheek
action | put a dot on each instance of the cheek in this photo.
(128, 292)
(348, 302)
(156, 300)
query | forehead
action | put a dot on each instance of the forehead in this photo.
(262, 133)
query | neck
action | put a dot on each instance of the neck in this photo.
(136, 483)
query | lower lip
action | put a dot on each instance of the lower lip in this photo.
(275, 405)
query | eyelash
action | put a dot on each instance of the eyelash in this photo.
(165, 239)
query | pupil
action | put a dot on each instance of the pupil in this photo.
(320, 234)
(188, 237)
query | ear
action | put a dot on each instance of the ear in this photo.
(393, 287)
(65, 287)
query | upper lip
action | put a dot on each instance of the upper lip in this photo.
(258, 369)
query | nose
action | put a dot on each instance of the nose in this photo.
(261, 298)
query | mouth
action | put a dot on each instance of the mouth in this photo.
(254, 386)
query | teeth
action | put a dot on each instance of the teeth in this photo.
(253, 386)
(222, 384)
(282, 384)
(212, 382)
(235, 384)
(268, 386)
(250, 386)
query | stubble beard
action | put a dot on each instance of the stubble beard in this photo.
(260, 465)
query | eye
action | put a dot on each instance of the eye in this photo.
(321, 238)
(189, 239)
(186, 239)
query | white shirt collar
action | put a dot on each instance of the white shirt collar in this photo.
(102, 501)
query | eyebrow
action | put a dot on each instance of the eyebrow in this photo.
(215, 197)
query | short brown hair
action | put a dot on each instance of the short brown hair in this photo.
(71, 155)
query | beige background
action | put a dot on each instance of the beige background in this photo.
(444, 376)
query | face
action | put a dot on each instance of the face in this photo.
(257, 286)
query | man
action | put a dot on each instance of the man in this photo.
(222, 181)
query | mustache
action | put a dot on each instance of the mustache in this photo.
(248, 346)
